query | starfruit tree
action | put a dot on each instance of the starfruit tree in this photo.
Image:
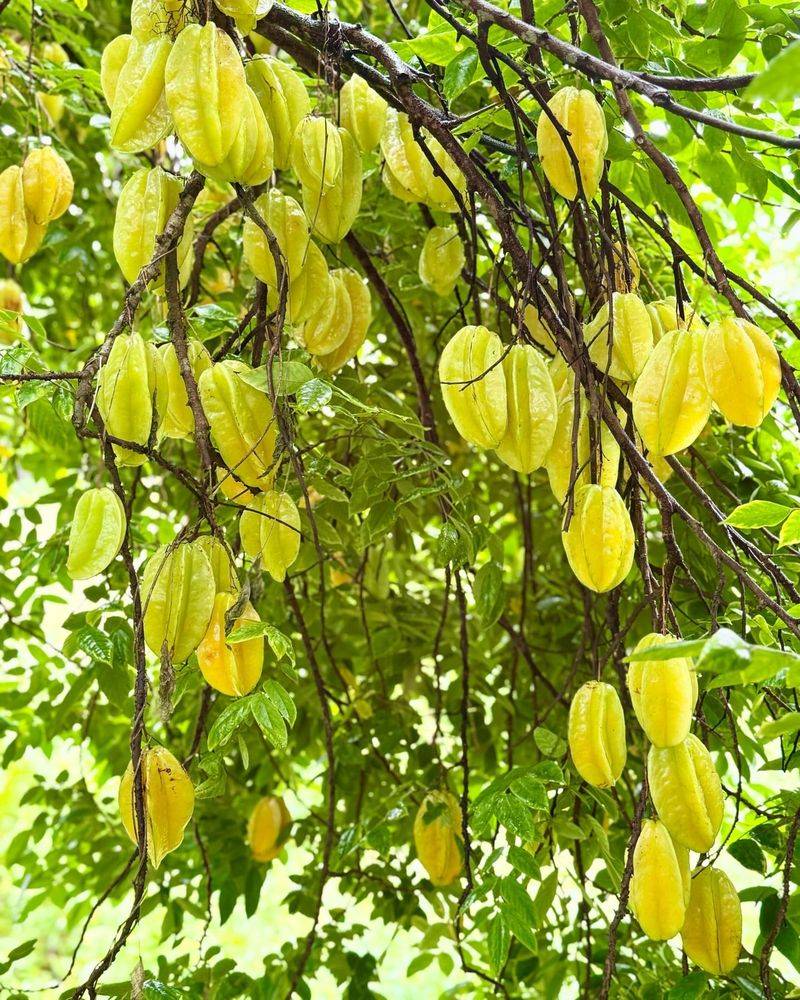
(398, 506)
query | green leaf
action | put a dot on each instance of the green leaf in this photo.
(289, 376)
(489, 593)
(778, 82)
(518, 912)
(313, 395)
(790, 530)
(498, 941)
(460, 73)
(269, 720)
(758, 514)
(282, 700)
(229, 720)
(784, 725)
(749, 854)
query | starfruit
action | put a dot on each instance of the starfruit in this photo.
(222, 568)
(241, 420)
(127, 388)
(168, 802)
(178, 594)
(596, 734)
(537, 330)
(599, 540)
(663, 693)
(20, 236)
(233, 490)
(742, 369)
(325, 330)
(133, 79)
(317, 153)
(232, 669)
(150, 18)
(246, 13)
(531, 410)
(627, 271)
(686, 792)
(268, 828)
(664, 318)
(474, 385)
(145, 205)
(671, 403)
(53, 105)
(47, 185)
(179, 419)
(441, 260)
(559, 461)
(249, 161)
(360, 319)
(408, 173)
(206, 91)
(363, 112)
(582, 118)
(11, 300)
(659, 888)
(270, 529)
(98, 528)
(438, 837)
(283, 99)
(620, 342)
(712, 930)
(331, 211)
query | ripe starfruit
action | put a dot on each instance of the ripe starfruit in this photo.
(47, 185)
(408, 173)
(225, 579)
(559, 461)
(241, 420)
(663, 693)
(20, 236)
(582, 118)
(474, 385)
(441, 260)
(363, 112)
(13, 301)
(712, 930)
(596, 734)
(145, 204)
(438, 837)
(671, 403)
(179, 419)
(620, 342)
(232, 669)
(268, 828)
(178, 594)
(686, 792)
(659, 892)
(331, 211)
(531, 408)
(327, 327)
(317, 153)
(664, 318)
(270, 529)
(150, 18)
(133, 78)
(283, 99)
(742, 369)
(127, 386)
(361, 317)
(599, 540)
(168, 802)
(206, 91)
(98, 529)
(249, 161)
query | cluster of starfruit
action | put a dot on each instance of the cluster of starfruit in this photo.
(686, 794)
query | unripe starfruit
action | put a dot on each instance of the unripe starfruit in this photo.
(127, 386)
(98, 528)
(233, 669)
(742, 369)
(326, 329)
(582, 118)
(11, 300)
(474, 385)
(225, 579)
(408, 173)
(596, 734)
(531, 410)
(283, 99)
(627, 271)
(664, 318)
(686, 792)
(360, 319)
(178, 592)
(150, 18)
(599, 540)
(659, 891)
(620, 342)
(246, 13)
(179, 419)
(206, 91)
(168, 802)
(133, 79)
(249, 161)
(332, 210)
(363, 112)
(270, 529)
(671, 403)
(663, 693)
(268, 828)
(241, 420)
(712, 930)
(317, 153)
(438, 837)
(441, 260)
(47, 185)
(537, 330)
